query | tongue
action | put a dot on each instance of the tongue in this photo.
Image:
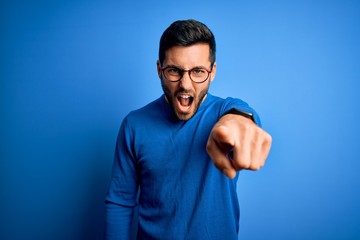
(184, 101)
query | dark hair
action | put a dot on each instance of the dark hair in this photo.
(186, 33)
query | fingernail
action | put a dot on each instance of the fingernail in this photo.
(229, 172)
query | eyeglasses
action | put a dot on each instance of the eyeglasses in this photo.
(197, 74)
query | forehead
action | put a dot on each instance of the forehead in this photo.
(189, 56)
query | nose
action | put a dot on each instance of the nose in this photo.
(185, 81)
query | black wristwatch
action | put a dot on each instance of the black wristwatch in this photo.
(242, 113)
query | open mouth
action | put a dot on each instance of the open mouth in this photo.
(185, 100)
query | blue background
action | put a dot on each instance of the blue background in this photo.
(71, 70)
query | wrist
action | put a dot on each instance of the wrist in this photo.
(245, 114)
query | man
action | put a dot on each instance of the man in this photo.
(184, 149)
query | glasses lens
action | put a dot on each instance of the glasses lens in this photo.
(173, 74)
(199, 74)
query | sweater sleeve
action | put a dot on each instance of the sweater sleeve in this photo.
(240, 106)
(121, 197)
(118, 221)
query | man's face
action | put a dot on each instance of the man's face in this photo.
(186, 96)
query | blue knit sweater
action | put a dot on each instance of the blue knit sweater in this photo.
(182, 194)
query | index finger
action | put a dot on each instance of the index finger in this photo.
(221, 162)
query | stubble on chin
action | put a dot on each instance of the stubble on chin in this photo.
(170, 100)
(186, 116)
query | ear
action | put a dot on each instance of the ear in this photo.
(158, 68)
(213, 72)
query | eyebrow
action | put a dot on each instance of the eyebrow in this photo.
(175, 66)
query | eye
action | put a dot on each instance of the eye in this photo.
(173, 71)
(198, 72)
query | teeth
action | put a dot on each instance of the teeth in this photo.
(185, 100)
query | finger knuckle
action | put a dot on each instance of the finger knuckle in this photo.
(246, 127)
(268, 138)
(255, 167)
(243, 165)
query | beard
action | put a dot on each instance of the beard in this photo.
(194, 101)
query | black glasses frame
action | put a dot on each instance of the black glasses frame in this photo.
(183, 71)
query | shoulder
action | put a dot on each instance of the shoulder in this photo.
(146, 111)
(223, 105)
(149, 115)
